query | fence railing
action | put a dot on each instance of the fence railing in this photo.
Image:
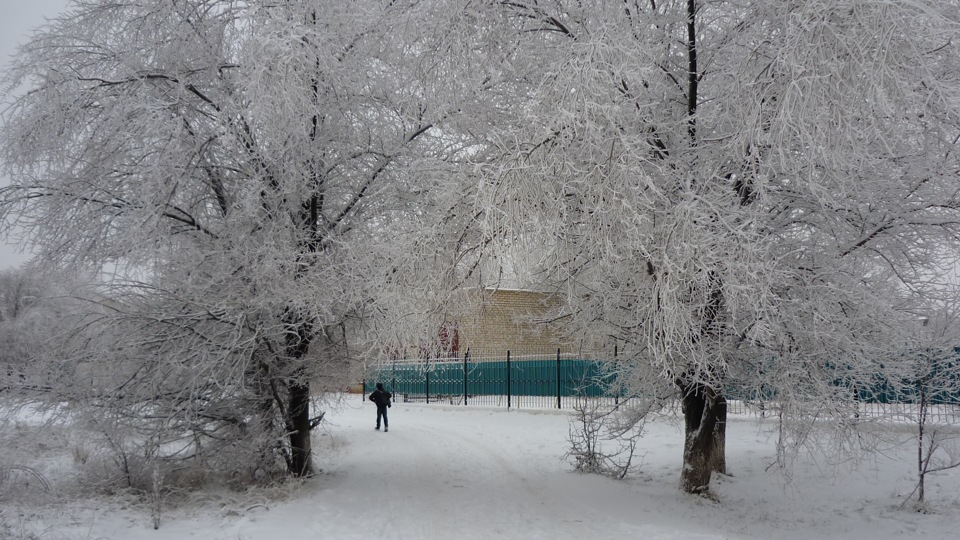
(558, 380)
(550, 380)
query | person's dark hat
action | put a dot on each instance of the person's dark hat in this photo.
(379, 386)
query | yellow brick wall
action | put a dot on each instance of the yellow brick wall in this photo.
(506, 322)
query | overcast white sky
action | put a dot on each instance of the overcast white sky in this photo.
(18, 18)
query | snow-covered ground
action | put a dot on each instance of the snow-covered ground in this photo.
(471, 473)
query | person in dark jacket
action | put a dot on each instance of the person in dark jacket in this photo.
(382, 399)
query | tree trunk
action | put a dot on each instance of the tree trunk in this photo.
(298, 399)
(259, 378)
(719, 458)
(700, 414)
(301, 459)
(921, 424)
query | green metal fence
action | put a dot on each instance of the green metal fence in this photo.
(557, 380)
(542, 380)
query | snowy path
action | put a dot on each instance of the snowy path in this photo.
(440, 473)
(472, 473)
(487, 474)
(438, 483)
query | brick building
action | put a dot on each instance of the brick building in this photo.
(507, 319)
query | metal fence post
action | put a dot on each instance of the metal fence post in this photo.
(616, 396)
(428, 386)
(508, 380)
(558, 378)
(466, 356)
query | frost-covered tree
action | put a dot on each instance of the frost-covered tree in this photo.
(254, 171)
(745, 193)
(929, 379)
(35, 311)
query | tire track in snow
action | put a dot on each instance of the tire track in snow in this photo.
(555, 504)
(466, 474)
(490, 489)
(387, 474)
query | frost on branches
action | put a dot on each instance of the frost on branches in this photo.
(246, 168)
(749, 195)
(754, 197)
